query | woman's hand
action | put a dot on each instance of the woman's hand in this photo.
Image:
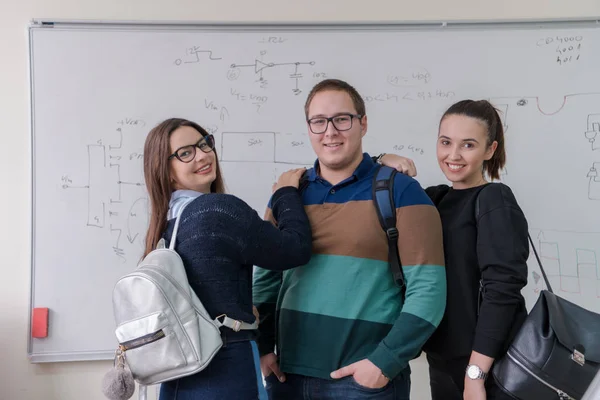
(289, 178)
(399, 163)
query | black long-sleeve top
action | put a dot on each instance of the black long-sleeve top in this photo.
(221, 238)
(490, 247)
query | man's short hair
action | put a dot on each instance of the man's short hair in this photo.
(339, 85)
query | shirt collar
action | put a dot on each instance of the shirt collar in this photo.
(179, 198)
(360, 172)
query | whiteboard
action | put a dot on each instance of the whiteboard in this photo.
(97, 89)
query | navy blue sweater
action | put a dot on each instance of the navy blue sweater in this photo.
(221, 237)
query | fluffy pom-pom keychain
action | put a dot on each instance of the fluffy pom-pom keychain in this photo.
(118, 383)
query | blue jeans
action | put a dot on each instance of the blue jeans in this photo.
(298, 387)
(234, 373)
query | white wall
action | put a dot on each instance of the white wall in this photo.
(18, 378)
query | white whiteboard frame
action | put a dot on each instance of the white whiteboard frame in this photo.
(243, 27)
(327, 25)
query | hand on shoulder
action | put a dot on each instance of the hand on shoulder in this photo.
(289, 178)
(401, 164)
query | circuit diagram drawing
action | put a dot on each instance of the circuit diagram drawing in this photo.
(592, 134)
(550, 256)
(259, 66)
(571, 258)
(195, 55)
(594, 181)
(587, 266)
(591, 130)
(116, 196)
(266, 147)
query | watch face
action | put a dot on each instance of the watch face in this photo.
(473, 371)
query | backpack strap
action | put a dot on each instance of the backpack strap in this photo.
(383, 198)
(303, 182)
(221, 320)
(143, 392)
(176, 227)
(234, 324)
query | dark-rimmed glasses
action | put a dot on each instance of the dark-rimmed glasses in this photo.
(341, 122)
(187, 153)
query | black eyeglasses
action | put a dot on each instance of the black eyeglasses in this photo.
(187, 153)
(341, 122)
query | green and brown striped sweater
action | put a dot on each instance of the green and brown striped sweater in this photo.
(343, 306)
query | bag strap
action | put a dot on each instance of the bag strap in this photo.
(176, 227)
(540, 264)
(221, 320)
(303, 182)
(143, 392)
(539, 261)
(383, 198)
(234, 324)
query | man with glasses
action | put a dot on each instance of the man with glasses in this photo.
(340, 325)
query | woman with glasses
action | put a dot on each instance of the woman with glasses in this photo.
(220, 239)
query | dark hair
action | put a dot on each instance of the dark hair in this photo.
(485, 112)
(158, 177)
(338, 85)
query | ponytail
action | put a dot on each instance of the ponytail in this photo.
(494, 165)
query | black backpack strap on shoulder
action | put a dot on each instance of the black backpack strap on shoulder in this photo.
(383, 199)
(303, 182)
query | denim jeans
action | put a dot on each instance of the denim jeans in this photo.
(234, 373)
(298, 387)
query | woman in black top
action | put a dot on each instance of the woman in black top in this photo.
(485, 246)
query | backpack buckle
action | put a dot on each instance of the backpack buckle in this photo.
(392, 233)
(236, 325)
(232, 324)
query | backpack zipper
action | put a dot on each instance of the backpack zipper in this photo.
(152, 279)
(561, 395)
(142, 341)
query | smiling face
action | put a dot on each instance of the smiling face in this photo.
(201, 171)
(462, 148)
(336, 149)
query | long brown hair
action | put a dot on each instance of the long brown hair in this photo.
(485, 112)
(157, 175)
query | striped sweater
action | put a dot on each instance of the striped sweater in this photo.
(343, 306)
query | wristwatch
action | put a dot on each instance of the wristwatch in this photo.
(378, 159)
(474, 372)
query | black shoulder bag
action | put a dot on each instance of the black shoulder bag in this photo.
(555, 354)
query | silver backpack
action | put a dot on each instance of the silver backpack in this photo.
(163, 330)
